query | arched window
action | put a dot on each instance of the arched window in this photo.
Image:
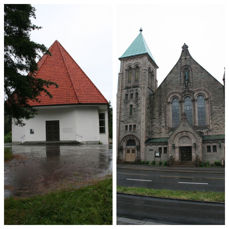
(188, 109)
(150, 77)
(201, 110)
(136, 74)
(129, 75)
(131, 109)
(175, 112)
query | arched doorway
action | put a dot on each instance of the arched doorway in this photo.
(130, 148)
(185, 148)
(131, 151)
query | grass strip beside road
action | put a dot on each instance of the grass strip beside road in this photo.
(174, 194)
(88, 205)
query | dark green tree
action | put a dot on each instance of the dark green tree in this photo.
(110, 118)
(20, 62)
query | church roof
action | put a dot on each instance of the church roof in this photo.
(137, 47)
(74, 86)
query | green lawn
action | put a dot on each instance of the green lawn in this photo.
(88, 205)
(8, 154)
(184, 195)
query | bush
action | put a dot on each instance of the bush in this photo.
(8, 137)
(217, 163)
(8, 155)
(160, 163)
(165, 163)
(153, 163)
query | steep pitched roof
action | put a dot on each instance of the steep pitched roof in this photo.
(74, 87)
(137, 47)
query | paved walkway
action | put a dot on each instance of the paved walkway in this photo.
(128, 221)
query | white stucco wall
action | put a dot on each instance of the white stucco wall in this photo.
(77, 123)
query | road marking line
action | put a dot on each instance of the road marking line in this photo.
(138, 179)
(192, 183)
(180, 177)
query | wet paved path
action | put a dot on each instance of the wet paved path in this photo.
(42, 168)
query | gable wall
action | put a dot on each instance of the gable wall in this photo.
(201, 80)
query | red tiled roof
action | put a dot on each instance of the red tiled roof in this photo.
(74, 87)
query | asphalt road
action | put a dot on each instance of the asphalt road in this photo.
(174, 179)
(170, 211)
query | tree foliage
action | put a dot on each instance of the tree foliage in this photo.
(110, 118)
(20, 62)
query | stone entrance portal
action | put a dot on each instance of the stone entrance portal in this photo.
(186, 153)
(130, 151)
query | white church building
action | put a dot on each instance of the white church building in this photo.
(77, 112)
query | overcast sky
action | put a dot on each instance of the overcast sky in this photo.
(90, 32)
(167, 27)
(83, 32)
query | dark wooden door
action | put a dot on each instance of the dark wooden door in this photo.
(52, 130)
(186, 153)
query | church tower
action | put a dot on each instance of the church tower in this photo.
(137, 83)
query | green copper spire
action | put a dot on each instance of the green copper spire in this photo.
(137, 47)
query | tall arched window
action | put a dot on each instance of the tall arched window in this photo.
(175, 112)
(201, 110)
(129, 75)
(131, 109)
(188, 109)
(137, 74)
(150, 77)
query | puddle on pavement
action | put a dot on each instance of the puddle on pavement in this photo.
(43, 168)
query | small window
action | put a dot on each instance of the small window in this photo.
(165, 150)
(209, 149)
(131, 109)
(214, 148)
(126, 127)
(126, 96)
(31, 131)
(128, 151)
(131, 95)
(130, 127)
(101, 123)
(136, 95)
(160, 150)
(134, 127)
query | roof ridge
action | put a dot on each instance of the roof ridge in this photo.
(39, 68)
(67, 70)
(89, 80)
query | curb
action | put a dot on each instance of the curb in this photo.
(161, 198)
(175, 170)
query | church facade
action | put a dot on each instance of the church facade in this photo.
(181, 120)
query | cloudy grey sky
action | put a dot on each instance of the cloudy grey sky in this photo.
(83, 32)
(90, 32)
(166, 27)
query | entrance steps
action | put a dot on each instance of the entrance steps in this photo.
(183, 164)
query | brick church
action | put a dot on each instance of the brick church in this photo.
(181, 120)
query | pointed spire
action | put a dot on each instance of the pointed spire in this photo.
(138, 47)
(185, 47)
(185, 51)
(224, 77)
